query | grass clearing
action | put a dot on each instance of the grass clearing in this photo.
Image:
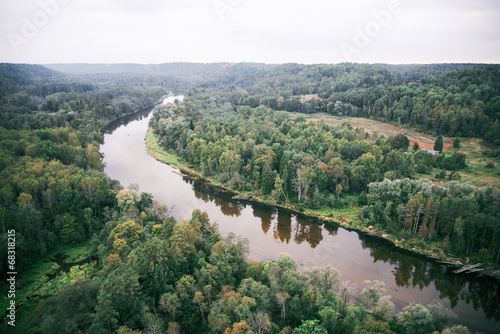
(45, 278)
(476, 173)
(157, 152)
(484, 181)
(309, 97)
(378, 128)
(373, 127)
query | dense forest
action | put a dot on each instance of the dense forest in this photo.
(146, 273)
(462, 103)
(42, 99)
(157, 275)
(52, 184)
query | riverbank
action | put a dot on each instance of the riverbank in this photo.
(346, 218)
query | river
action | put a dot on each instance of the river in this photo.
(270, 231)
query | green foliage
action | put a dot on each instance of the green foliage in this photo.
(316, 166)
(46, 200)
(452, 100)
(267, 179)
(127, 199)
(459, 329)
(420, 319)
(399, 142)
(34, 97)
(193, 280)
(438, 144)
(68, 310)
(310, 327)
(69, 229)
(423, 210)
(311, 161)
(455, 161)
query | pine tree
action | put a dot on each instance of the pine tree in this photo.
(69, 229)
(438, 145)
(267, 179)
(286, 174)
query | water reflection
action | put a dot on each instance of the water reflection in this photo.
(412, 271)
(222, 200)
(331, 229)
(264, 215)
(283, 230)
(307, 230)
(124, 120)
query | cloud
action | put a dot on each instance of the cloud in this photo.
(252, 30)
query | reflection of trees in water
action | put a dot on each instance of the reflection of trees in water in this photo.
(222, 200)
(480, 292)
(232, 209)
(286, 226)
(331, 229)
(265, 215)
(307, 230)
(124, 120)
(200, 195)
(283, 229)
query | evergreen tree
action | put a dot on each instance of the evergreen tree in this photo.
(286, 174)
(438, 145)
(267, 179)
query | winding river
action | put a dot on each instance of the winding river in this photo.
(270, 231)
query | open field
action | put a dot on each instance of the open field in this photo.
(309, 97)
(476, 174)
(381, 128)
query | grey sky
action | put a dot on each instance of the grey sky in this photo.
(271, 31)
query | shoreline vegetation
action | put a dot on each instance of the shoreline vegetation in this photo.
(96, 257)
(344, 218)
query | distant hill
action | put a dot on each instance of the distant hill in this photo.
(13, 76)
(185, 71)
(169, 69)
(411, 72)
(82, 68)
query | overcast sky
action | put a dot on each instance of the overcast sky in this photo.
(270, 31)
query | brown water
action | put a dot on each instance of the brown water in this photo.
(270, 231)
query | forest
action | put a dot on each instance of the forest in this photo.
(144, 272)
(463, 102)
(313, 165)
